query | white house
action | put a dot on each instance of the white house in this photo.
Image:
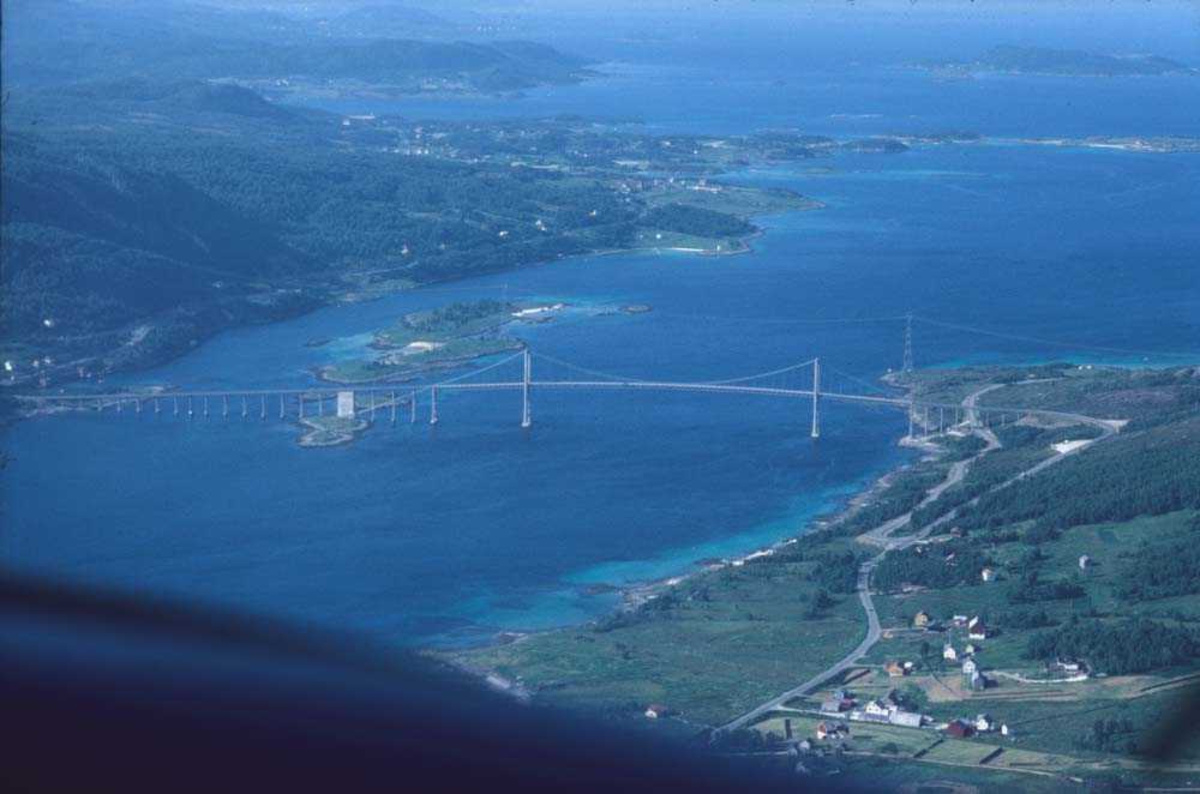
(988, 574)
(969, 667)
(983, 723)
(949, 654)
(1084, 562)
(905, 719)
(876, 708)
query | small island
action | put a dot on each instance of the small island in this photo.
(1160, 144)
(1008, 59)
(448, 336)
(331, 431)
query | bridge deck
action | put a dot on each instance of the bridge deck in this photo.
(326, 393)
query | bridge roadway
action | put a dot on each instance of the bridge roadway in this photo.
(323, 393)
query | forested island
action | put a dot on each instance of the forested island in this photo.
(1011, 59)
(447, 336)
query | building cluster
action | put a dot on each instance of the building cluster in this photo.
(886, 711)
(976, 631)
(965, 727)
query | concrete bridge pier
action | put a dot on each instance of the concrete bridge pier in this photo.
(412, 404)
(393, 407)
(433, 412)
(282, 408)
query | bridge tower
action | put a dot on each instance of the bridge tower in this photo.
(433, 414)
(816, 414)
(908, 345)
(907, 369)
(526, 418)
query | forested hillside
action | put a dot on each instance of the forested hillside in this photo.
(126, 199)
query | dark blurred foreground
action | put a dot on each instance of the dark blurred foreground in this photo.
(102, 693)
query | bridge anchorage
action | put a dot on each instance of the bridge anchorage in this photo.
(806, 380)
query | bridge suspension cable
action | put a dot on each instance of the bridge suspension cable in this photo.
(593, 372)
(1053, 342)
(745, 378)
(782, 320)
(475, 372)
(875, 387)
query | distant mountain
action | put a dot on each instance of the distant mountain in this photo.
(388, 21)
(1039, 60)
(59, 41)
(193, 96)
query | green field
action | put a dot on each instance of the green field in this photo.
(722, 641)
(708, 649)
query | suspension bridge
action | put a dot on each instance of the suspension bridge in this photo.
(802, 382)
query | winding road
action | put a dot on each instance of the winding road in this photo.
(882, 536)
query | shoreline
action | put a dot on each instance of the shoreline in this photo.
(328, 295)
(634, 594)
(316, 436)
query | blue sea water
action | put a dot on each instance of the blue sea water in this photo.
(420, 535)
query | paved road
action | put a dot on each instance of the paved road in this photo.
(882, 536)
